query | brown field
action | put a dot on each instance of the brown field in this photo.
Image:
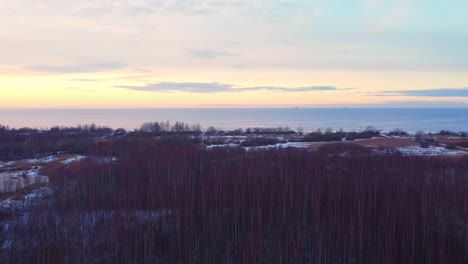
(386, 142)
(372, 143)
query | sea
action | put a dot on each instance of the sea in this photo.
(308, 119)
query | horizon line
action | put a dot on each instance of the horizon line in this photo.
(243, 107)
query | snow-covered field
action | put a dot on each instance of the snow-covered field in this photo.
(274, 146)
(19, 174)
(231, 145)
(391, 144)
(281, 145)
(27, 201)
(429, 151)
(12, 181)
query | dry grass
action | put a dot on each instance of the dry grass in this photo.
(386, 142)
(372, 143)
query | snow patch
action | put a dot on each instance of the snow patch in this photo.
(280, 146)
(73, 159)
(429, 151)
(5, 164)
(229, 145)
(293, 145)
(104, 160)
(47, 159)
(27, 201)
(12, 181)
(32, 173)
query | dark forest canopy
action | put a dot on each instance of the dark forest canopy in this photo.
(178, 203)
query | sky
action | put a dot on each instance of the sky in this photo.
(233, 53)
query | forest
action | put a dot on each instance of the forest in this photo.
(167, 198)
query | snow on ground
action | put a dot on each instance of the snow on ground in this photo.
(47, 159)
(12, 181)
(229, 145)
(73, 159)
(292, 145)
(364, 139)
(89, 223)
(38, 197)
(274, 146)
(27, 201)
(405, 150)
(103, 160)
(19, 174)
(280, 145)
(32, 173)
(4, 164)
(429, 151)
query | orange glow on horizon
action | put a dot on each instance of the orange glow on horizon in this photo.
(100, 90)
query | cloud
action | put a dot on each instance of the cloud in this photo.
(93, 67)
(215, 87)
(441, 92)
(209, 54)
(182, 86)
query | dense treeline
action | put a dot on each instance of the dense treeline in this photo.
(26, 142)
(179, 203)
(330, 135)
(31, 134)
(160, 127)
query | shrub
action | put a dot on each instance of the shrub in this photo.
(342, 148)
(461, 143)
(419, 135)
(328, 136)
(398, 132)
(259, 141)
(447, 133)
(450, 146)
(424, 144)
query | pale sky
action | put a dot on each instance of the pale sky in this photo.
(232, 53)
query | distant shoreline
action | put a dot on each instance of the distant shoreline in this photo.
(410, 119)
